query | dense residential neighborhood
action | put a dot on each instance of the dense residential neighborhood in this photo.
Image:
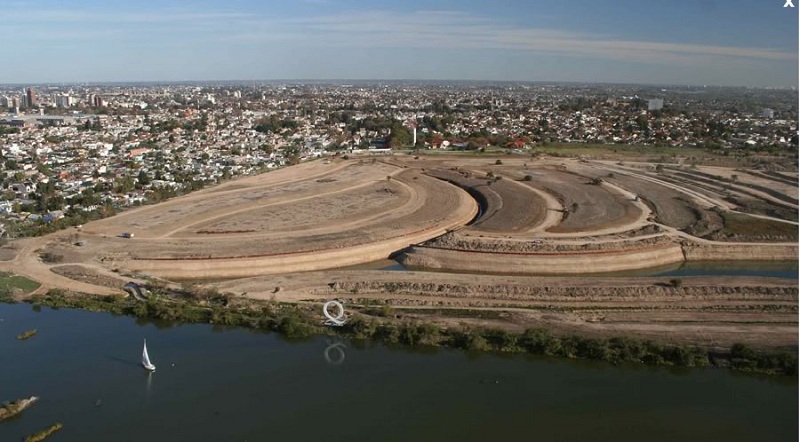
(73, 153)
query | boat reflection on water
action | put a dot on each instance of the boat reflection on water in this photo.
(149, 384)
(334, 353)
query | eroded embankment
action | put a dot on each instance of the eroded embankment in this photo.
(741, 252)
(710, 311)
(542, 263)
(493, 255)
(762, 290)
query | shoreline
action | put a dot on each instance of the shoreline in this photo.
(13, 408)
(376, 324)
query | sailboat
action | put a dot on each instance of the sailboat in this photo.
(146, 359)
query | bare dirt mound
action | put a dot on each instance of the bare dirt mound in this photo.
(505, 206)
(671, 207)
(588, 207)
(7, 254)
(89, 275)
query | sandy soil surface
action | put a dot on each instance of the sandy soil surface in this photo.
(91, 275)
(507, 206)
(7, 254)
(672, 208)
(588, 207)
(708, 310)
(322, 215)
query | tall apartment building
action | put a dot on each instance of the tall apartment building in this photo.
(64, 100)
(31, 100)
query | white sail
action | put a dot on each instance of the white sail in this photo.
(146, 359)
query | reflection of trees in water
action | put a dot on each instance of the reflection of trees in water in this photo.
(161, 324)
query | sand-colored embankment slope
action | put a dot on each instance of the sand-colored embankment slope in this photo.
(304, 261)
(543, 264)
(709, 311)
(467, 287)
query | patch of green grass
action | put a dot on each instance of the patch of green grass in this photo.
(580, 149)
(739, 224)
(9, 282)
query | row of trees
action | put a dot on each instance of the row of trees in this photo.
(274, 124)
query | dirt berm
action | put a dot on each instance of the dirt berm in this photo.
(543, 264)
(756, 252)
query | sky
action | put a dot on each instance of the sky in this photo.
(692, 42)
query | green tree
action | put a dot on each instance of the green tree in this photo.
(400, 136)
(124, 184)
(142, 178)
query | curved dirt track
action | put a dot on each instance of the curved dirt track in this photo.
(343, 213)
(318, 216)
(330, 214)
(597, 201)
(506, 206)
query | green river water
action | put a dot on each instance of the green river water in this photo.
(238, 385)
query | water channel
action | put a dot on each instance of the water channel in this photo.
(773, 269)
(215, 384)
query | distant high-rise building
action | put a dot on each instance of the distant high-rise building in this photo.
(64, 100)
(31, 96)
(768, 113)
(5, 101)
(654, 104)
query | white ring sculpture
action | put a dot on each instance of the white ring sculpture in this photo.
(337, 320)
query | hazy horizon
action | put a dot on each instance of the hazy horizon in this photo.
(415, 81)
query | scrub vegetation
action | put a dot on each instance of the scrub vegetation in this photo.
(44, 434)
(300, 321)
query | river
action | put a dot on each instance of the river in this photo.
(238, 385)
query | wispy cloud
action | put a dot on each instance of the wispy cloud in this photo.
(431, 30)
(456, 30)
(110, 17)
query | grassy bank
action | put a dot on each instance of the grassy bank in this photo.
(743, 225)
(596, 150)
(302, 321)
(10, 283)
(44, 434)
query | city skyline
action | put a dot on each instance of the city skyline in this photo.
(732, 43)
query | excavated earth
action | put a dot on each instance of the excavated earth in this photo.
(462, 220)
